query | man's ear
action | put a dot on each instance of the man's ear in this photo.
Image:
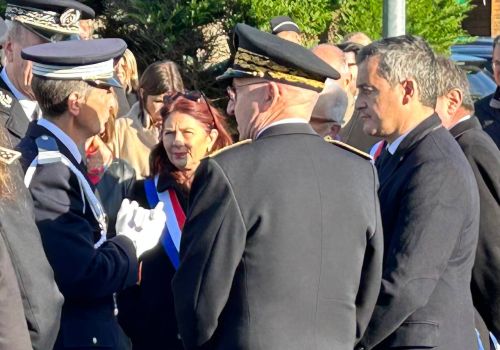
(8, 49)
(455, 99)
(408, 90)
(214, 133)
(272, 93)
(74, 103)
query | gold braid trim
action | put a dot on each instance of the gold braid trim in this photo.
(47, 20)
(259, 65)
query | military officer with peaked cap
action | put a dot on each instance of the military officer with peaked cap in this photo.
(282, 246)
(72, 82)
(31, 22)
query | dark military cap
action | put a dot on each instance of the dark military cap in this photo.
(283, 24)
(88, 60)
(263, 55)
(53, 20)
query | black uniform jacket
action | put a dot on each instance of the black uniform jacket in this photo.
(352, 134)
(489, 118)
(41, 298)
(147, 310)
(12, 115)
(281, 248)
(13, 330)
(484, 158)
(86, 276)
(430, 214)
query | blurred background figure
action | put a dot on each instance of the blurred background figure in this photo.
(112, 177)
(352, 129)
(191, 130)
(328, 113)
(128, 75)
(285, 28)
(357, 38)
(86, 29)
(138, 132)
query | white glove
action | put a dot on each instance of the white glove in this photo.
(143, 226)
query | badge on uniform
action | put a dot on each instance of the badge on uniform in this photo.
(8, 156)
(5, 100)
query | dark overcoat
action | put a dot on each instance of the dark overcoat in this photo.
(489, 118)
(41, 298)
(87, 277)
(484, 158)
(430, 214)
(281, 248)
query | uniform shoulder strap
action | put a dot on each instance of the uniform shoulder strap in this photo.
(234, 145)
(48, 151)
(348, 148)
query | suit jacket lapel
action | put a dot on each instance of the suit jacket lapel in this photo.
(406, 147)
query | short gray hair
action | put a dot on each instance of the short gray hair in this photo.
(52, 95)
(404, 57)
(449, 76)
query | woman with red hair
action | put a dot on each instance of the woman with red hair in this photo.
(192, 129)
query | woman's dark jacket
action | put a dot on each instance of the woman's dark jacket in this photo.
(147, 310)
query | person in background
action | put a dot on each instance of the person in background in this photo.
(138, 132)
(112, 177)
(359, 38)
(455, 107)
(331, 107)
(192, 129)
(488, 108)
(31, 22)
(86, 29)
(328, 113)
(352, 130)
(127, 74)
(285, 28)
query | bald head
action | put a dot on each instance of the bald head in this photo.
(335, 57)
(357, 38)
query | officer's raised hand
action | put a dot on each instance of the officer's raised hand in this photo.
(143, 226)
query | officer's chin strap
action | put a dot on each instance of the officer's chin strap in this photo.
(48, 153)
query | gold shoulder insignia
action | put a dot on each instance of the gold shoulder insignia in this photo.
(5, 100)
(348, 148)
(234, 145)
(8, 156)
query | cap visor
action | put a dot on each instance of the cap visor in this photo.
(111, 82)
(231, 74)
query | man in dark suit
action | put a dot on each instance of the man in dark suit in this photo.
(429, 204)
(455, 108)
(488, 108)
(282, 245)
(31, 22)
(88, 268)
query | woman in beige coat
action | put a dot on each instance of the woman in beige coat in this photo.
(138, 132)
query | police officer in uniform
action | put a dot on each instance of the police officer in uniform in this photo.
(281, 248)
(31, 22)
(72, 83)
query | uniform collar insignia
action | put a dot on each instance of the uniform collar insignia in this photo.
(8, 156)
(5, 100)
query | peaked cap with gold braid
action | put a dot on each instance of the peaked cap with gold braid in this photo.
(263, 55)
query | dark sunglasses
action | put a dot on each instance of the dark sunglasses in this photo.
(195, 96)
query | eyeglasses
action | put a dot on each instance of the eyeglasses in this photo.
(231, 90)
(195, 96)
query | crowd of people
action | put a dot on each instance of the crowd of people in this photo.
(358, 209)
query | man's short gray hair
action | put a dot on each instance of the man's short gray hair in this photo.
(449, 76)
(405, 57)
(52, 95)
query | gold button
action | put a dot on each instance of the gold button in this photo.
(94, 340)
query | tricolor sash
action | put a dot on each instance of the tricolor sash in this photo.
(171, 236)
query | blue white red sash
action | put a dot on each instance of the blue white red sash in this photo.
(171, 237)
